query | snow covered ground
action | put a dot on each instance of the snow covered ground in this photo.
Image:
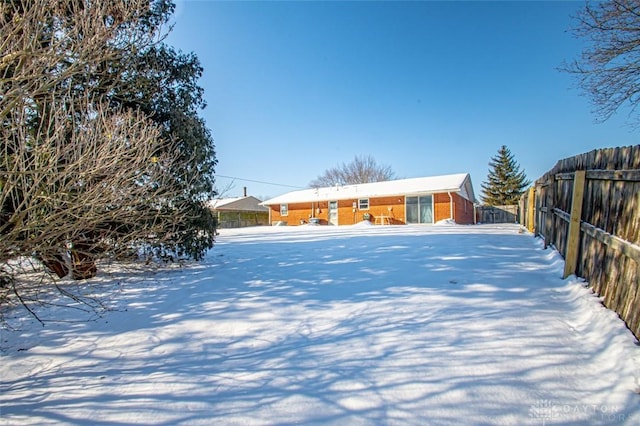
(358, 325)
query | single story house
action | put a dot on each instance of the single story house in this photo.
(239, 212)
(405, 201)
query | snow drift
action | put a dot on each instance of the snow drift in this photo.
(361, 325)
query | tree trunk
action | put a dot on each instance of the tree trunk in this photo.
(55, 263)
(82, 263)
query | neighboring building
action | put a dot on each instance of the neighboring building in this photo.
(239, 212)
(405, 201)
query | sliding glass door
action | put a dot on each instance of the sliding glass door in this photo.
(419, 209)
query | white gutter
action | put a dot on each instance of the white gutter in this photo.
(450, 205)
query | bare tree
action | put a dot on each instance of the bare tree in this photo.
(609, 68)
(80, 179)
(363, 169)
(99, 195)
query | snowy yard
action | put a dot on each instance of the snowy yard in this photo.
(358, 325)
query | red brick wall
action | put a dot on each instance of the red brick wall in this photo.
(441, 207)
(297, 212)
(463, 210)
(377, 207)
(346, 215)
(380, 207)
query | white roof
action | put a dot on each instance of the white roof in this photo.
(237, 204)
(460, 183)
(221, 202)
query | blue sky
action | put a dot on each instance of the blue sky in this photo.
(428, 88)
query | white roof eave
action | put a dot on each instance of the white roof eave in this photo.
(403, 187)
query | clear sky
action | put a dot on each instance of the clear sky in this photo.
(428, 88)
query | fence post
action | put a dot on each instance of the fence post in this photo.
(531, 209)
(549, 226)
(573, 239)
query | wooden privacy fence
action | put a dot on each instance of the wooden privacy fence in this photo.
(588, 208)
(237, 219)
(497, 214)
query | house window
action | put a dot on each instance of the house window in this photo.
(284, 209)
(363, 204)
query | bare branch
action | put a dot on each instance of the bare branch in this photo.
(361, 170)
(80, 179)
(609, 68)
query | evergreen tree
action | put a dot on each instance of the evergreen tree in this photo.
(505, 182)
(102, 150)
(154, 78)
(164, 85)
(76, 74)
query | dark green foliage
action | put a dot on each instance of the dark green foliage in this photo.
(134, 71)
(163, 83)
(505, 182)
(103, 154)
(164, 86)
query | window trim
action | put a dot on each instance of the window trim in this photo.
(360, 200)
(284, 209)
(418, 204)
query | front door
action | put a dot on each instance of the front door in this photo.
(333, 212)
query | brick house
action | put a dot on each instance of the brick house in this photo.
(397, 202)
